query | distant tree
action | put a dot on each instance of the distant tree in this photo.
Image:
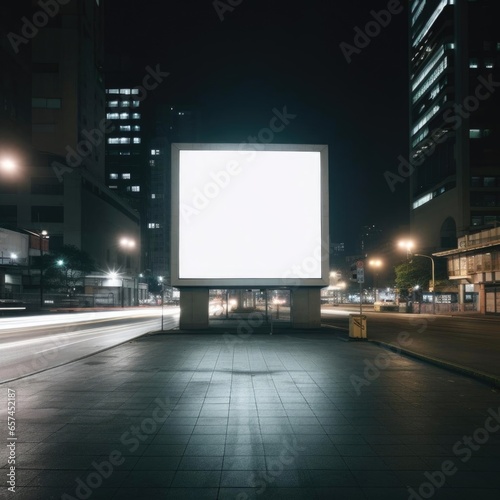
(65, 269)
(418, 271)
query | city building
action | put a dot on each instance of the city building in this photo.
(55, 110)
(475, 266)
(454, 163)
(172, 124)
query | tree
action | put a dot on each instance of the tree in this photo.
(66, 269)
(418, 271)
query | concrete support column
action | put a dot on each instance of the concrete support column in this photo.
(306, 307)
(461, 297)
(194, 308)
(482, 299)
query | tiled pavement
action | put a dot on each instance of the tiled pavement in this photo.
(293, 416)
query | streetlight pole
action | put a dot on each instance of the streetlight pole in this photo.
(377, 264)
(433, 282)
(41, 236)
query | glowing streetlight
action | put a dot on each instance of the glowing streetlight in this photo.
(8, 165)
(376, 264)
(406, 245)
(127, 242)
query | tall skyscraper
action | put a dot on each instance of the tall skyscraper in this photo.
(454, 163)
(61, 152)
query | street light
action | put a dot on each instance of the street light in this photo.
(376, 264)
(407, 245)
(8, 165)
(433, 282)
(128, 244)
(43, 235)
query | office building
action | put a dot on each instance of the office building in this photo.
(454, 161)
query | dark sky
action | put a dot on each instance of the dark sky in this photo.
(269, 54)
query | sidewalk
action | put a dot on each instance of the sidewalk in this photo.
(295, 415)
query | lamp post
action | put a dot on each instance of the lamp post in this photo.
(43, 235)
(433, 282)
(160, 279)
(376, 264)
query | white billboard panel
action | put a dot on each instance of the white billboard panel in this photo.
(249, 216)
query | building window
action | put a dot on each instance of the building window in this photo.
(124, 116)
(112, 104)
(47, 214)
(125, 104)
(135, 189)
(112, 116)
(124, 128)
(151, 163)
(134, 91)
(136, 116)
(136, 128)
(155, 152)
(43, 103)
(153, 196)
(113, 187)
(125, 153)
(474, 63)
(135, 104)
(125, 91)
(137, 140)
(126, 176)
(113, 176)
(112, 91)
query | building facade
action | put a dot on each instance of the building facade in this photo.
(454, 161)
(475, 265)
(58, 145)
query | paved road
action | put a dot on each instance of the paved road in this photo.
(469, 341)
(32, 344)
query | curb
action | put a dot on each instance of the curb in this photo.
(463, 370)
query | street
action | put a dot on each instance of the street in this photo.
(36, 343)
(471, 341)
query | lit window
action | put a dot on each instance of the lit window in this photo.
(125, 153)
(155, 152)
(134, 91)
(113, 187)
(112, 91)
(125, 104)
(124, 116)
(153, 196)
(112, 116)
(112, 104)
(489, 63)
(422, 200)
(135, 104)
(474, 63)
(124, 140)
(136, 116)
(151, 163)
(124, 128)
(125, 91)
(113, 140)
(137, 140)
(125, 176)
(136, 128)
(136, 189)
(113, 176)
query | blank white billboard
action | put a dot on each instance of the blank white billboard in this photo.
(249, 216)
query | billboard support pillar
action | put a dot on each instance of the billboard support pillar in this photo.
(306, 307)
(194, 308)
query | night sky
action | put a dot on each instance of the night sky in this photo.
(269, 54)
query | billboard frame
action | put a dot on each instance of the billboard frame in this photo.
(278, 282)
